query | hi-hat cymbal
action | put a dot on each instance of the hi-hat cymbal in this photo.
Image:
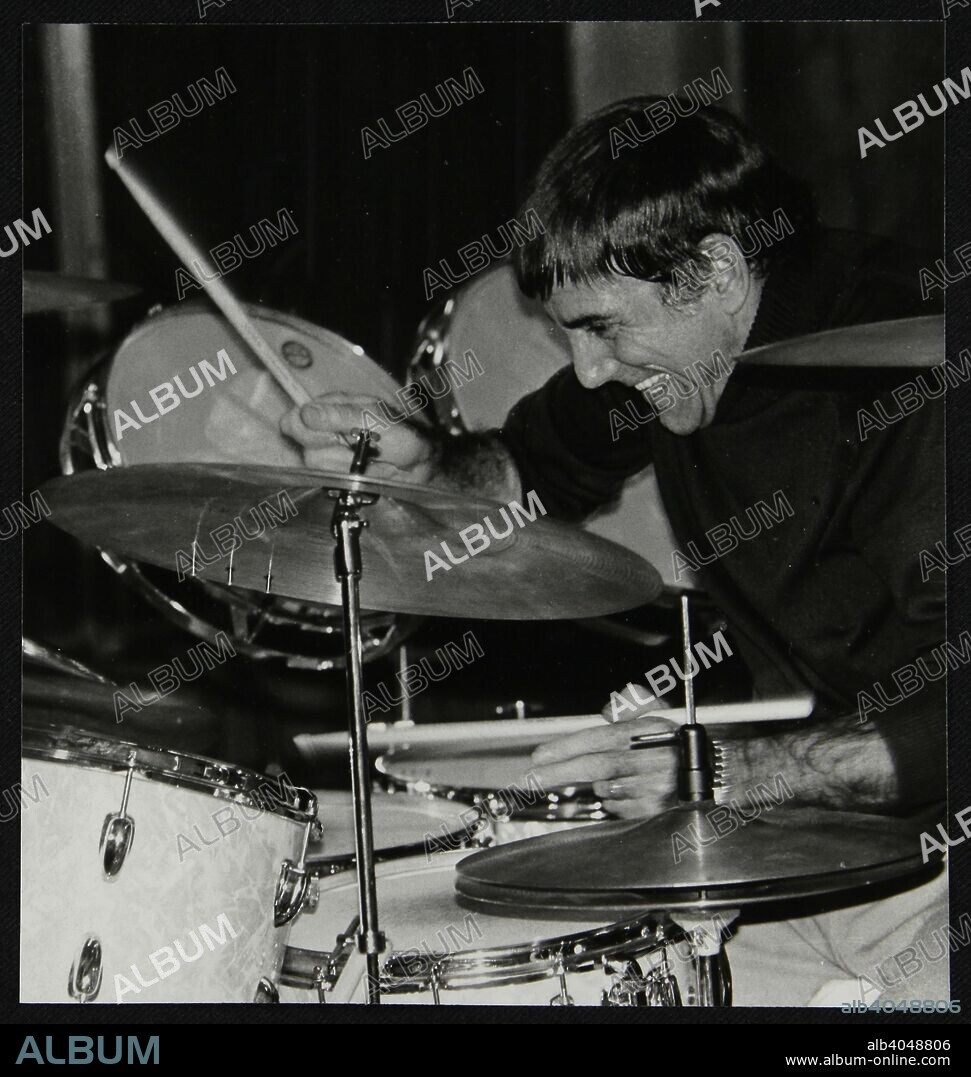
(537, 569)
(677, 860)
(45, 292)
(916, 342)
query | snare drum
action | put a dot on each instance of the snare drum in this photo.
(518, 348)
(495, 778)
(440, 953)
(165, 397)
(403, 826)
(154, 876)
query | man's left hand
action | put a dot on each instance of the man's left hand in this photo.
(632, 784)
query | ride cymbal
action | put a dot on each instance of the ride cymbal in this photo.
(518, 566)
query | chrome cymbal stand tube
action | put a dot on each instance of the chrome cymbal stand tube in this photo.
(696, 777)
(696, 774)
(346, 527)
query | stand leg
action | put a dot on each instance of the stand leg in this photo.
(713, 977)
(370, 939)
(346, 527)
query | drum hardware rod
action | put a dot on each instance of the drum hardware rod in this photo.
(696, 772)
(406, 718)
(564, 998)
(195, 540)
(319, 981)
(346, 526)
(118, 831)
(689, 679)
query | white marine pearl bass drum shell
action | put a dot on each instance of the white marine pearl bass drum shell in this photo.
(154, 876)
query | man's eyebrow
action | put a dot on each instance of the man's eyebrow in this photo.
(585, 321)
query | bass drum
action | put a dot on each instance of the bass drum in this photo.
(155, 876)
(518, 349)
(168, 395)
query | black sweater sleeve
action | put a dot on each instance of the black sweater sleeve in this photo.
(575, 447)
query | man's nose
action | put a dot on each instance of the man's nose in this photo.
(593, 364)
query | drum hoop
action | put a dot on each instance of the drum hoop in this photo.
(541, 959)
(525, 962)
(201, 774)
(255, 311)
(559, 806)
(199, 306)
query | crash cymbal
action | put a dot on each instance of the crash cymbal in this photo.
(45, 292)
(678, 860)
(916, 342)
(70, 700)
(537, 569)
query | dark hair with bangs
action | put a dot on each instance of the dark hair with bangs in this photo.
(642, 211)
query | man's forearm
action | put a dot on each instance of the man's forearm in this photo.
(839, 764)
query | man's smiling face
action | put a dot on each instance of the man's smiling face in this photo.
(620, 330)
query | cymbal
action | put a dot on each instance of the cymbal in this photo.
(45, 292)
(677, 860)
(537, 570)
(904, 342)
(69, 701)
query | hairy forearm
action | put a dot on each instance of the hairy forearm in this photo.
(476, 464)
(839, 763)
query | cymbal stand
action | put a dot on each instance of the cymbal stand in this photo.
(346, 526)
(696, 777)
(696, 774)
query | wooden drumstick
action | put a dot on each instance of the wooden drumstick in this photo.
(537, 730)
(170, 230)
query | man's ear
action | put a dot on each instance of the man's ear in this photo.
(731, 277)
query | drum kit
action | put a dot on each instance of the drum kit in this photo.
(447, 874)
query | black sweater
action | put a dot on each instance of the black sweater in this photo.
(831, 598)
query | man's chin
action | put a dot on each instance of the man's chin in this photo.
(685, 417)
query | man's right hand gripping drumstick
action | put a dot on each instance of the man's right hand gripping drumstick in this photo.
(407, 451)
(326, 429)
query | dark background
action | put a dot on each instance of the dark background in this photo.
(290, 137)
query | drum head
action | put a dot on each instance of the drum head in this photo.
(229, 416)
(509, 333)
(417, 897)
(403, 826)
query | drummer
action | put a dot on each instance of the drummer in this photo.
(653, 260)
